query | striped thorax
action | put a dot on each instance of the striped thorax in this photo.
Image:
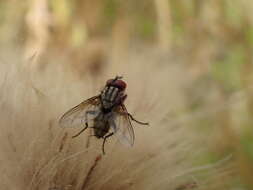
(109, 96)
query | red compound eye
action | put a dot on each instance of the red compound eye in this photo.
(116, 83)
(108, 82)
(120, 84)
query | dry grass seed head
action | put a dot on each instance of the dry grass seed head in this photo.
(38, 154)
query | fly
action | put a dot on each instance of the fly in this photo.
(105, 113)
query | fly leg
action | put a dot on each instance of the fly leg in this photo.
(86, 126)
(142, 123)
(107, 136)
(86, 122)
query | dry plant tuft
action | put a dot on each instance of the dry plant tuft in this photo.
(35, 153)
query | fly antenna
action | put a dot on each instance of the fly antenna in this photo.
(118, 77)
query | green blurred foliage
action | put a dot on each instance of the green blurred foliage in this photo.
(110, 10)
(146, 27)
(227, 71)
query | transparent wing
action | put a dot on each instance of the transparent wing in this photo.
(78, 115)
(122, 126)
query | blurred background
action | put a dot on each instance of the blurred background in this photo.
(200, 51)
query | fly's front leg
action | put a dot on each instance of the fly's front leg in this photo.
(86, 122)
(107, 136)
(142, 123)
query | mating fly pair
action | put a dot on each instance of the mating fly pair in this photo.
(105, 113)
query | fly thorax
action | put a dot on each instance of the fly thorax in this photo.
(109, 96)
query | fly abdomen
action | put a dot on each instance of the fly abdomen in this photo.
(101, 128)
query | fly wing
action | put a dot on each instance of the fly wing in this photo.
(122, 127)
(78, 115)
